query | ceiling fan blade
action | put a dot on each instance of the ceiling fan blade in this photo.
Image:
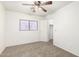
(47, 3)
(28, 4)
(37, 3)
(43, 9)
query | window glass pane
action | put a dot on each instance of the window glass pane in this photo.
(33, 25)
(24, 25)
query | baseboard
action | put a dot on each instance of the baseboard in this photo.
(2, 50)
(45, 40)
(26, 43)
(66, 49)
(9, 45)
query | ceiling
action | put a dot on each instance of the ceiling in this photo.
(17, 6)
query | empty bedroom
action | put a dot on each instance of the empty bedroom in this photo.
(39, 28)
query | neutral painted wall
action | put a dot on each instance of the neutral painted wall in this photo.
(2, 15)
(66, 28)
(16, 37)
(44, 30)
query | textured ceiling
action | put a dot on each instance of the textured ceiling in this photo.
(17, 6)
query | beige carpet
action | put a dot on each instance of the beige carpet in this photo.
(38, 49)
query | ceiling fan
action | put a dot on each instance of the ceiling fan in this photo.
(38, 4)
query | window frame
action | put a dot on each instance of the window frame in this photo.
(29, 25)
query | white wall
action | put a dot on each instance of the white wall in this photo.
(66, 28)
(16, 37)
(44, 30)
(2, 15)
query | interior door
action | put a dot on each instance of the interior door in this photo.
(51, 31)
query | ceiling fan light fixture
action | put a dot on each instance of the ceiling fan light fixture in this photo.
(33, 9)
(39, 4)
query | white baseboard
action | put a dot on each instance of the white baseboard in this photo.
(1, 50)
(66, 49)
(19, 43)
(44, 40)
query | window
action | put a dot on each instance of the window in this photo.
(24, 25)
(33, 25)
(28, 25)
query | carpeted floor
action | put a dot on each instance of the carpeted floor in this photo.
(38, 49)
